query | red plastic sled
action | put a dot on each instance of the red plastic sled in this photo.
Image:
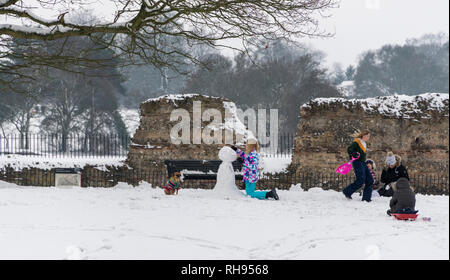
(405, 217)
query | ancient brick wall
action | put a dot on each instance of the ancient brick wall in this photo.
(414, 127)
(152, 144)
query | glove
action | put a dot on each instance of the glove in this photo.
(355, 155)
(234, 148)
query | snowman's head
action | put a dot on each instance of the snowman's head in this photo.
(226, 154)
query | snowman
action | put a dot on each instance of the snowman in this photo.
(226, 184)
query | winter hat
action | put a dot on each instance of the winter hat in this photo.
(402, 184)
(371, 162)
(390, 159)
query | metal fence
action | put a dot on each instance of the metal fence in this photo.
(100, 145)
(283, 146)
(91, 177)
(72, 145)
(423, 184)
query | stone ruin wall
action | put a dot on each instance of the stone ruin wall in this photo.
(418, 132)
(151, 143)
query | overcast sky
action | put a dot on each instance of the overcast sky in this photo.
(361, 25)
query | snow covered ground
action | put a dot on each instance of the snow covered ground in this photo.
(142, 223)
(19, 162)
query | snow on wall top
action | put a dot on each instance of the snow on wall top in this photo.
(175, 97)
(398, 106)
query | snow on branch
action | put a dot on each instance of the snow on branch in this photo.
(208, 20)
(162, 32)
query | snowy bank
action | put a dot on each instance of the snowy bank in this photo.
(19, 162)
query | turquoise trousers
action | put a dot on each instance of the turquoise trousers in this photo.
(250, 190)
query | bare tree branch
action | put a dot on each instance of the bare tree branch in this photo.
(159, 32)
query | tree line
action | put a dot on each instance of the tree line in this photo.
(280, 75)
(70, 100)
(421, 65)
(285, 76)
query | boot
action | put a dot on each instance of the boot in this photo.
(275, 195)
(347, 195)
(272, 194)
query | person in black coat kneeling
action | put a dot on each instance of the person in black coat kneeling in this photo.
(393, 171)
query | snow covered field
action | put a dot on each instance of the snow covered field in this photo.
(142, 223)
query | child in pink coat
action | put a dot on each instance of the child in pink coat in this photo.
(251, 172)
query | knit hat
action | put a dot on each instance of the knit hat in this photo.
(371, 162)
(390, 159)
(402, 183)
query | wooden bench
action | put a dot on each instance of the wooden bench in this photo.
(200, 169)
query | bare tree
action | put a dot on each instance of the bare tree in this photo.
(19, 109)
(282, 77)
(157, 31)
(64, 105)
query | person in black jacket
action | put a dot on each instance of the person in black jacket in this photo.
(358, 149)
(393, 171)
(404, 198)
